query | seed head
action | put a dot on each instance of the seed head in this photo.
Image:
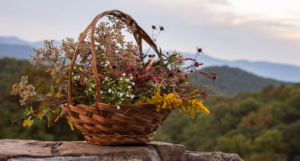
(161, 28)
(186, 75)
(214, 77)
(181, 81)
(199, 50)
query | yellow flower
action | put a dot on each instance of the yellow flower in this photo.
(170, 101)
(191, 94)
(182, 89)
(189, 107)
(167, 101)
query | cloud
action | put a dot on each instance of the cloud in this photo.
(221, 2)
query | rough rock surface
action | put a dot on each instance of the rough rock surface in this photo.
(213, 156)
(168, 151)
(32, 150)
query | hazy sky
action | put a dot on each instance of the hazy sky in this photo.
(256, 30)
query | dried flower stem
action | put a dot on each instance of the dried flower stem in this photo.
(42, 108)
(27, 115)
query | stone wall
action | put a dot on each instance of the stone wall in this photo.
(32, 150)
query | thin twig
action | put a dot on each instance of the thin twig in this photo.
(27, 115)
(153, 39)
(42, 108)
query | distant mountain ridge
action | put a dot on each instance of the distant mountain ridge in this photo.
(20, 49)
(280, 72)
(16, 51)
(231, 81)
(16, 41)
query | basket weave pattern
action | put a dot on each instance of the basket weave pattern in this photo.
(128, 125)
(104, 124)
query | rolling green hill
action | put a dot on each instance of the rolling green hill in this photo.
(231, 81)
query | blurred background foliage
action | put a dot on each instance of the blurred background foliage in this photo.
(257, 118)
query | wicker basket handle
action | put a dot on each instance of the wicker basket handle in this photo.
(139, 34)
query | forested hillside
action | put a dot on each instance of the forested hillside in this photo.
(11, 71)
(259, 126)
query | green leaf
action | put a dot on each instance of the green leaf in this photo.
(57, 111)
(41, 89)
(71, 125)
(30, 123)
(57, 82)
(26, 112)
(34, 98)
(159, 54)
(166, 65)
(31, 110)
(50, 94)
(52, 89)
(40, 113)
(50, 117)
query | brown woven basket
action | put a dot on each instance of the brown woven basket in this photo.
(104, 124)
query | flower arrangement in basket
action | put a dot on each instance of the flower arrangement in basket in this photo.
(111, 92)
